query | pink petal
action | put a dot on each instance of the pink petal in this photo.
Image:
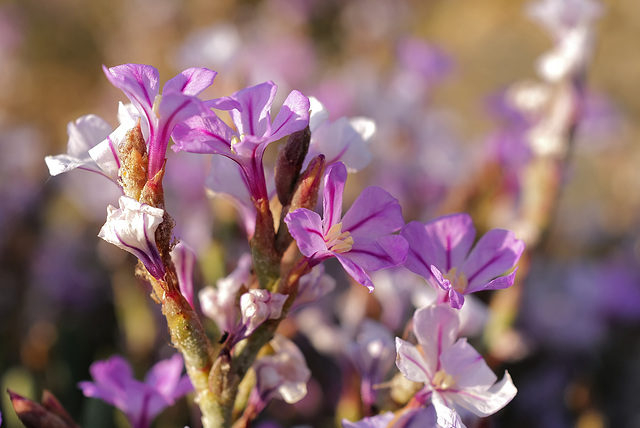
(190, 82)
(355, 271)
(374, 213)
(496, 252)
(292, 117)
(306, 228)
(255, 102)
(334, 181)
(411, 362)
(436, 329)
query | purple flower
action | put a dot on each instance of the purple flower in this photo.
(362, 240)
(440, 251)
(113, 383)
(160, 113)
(250, 110)
(453, 373)
(410, 418)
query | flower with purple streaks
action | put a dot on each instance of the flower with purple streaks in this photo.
(160, 112)
(250, 110)
(440, 251)
(453, 373)
(113, 382)
(362, 240)
(132, 227)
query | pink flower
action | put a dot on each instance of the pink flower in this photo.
(441, 252)
(453, 373)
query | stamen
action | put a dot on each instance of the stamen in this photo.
(458, 281)
(156, 105)
(234, 140)
(442, 380)
(337, 240)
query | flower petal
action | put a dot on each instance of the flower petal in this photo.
(446, 416)
(191, 81)
(496, 252)
(306, 228)
(436, 328)
(139, 83)
(382, 253)
(253, 118)
(132, 227)
(374, 213)
(483, 402)
(355, 271)
(292, 117)
(205, 133)
(450, 238)
(184, 259)
(334, 181)
(411, 362)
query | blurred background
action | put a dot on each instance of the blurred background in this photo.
(429, 73)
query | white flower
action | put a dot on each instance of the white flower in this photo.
(219, 303)
(256, 306)
(343, 140)
(132, 227)
(284, 374)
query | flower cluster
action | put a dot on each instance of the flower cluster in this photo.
(345, 274)
(248, 305)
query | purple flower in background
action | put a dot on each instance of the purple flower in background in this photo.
(160, 113)
(250, 110)
(113, 383)
(362, 240)
(440, 251)
(570, 23)
(453, 373)
(410, 418)
(132, 227)
(379, 421)
(372, 353)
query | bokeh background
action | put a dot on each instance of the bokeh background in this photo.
(67, 299)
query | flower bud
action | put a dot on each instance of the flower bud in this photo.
(289, 164)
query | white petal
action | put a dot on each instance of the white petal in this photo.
(486, 402)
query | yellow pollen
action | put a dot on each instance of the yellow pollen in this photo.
(337, 240)
(442, 380)
(458, 281)
(234, 140)
(156, 105)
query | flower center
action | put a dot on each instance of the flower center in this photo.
(458, 280)
(442, 380)
(337, 240)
